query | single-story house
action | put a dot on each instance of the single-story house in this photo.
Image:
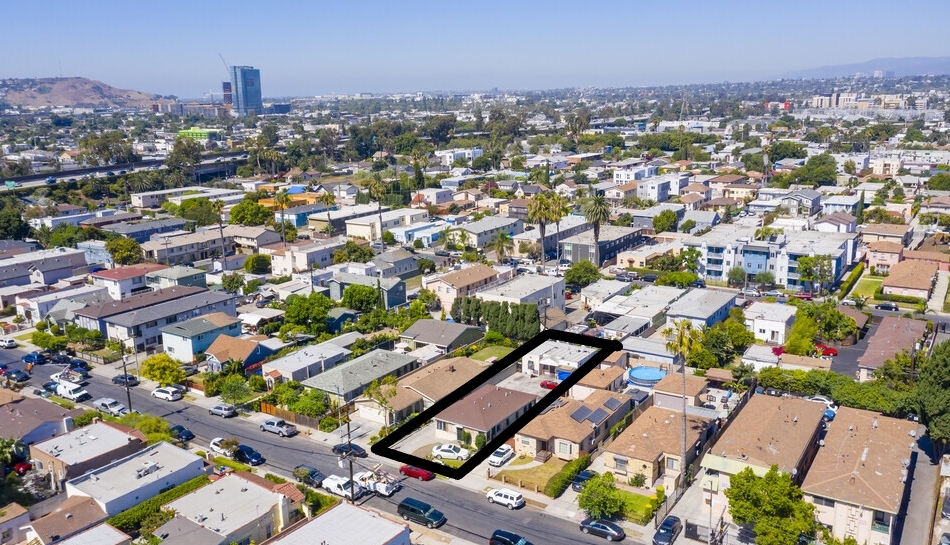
(571, 428)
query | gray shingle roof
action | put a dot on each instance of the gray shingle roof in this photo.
(435, 332)
(169, 308)
(358, 372)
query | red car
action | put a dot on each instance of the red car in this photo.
(548, 384)
(804, 295)
(22, 467)
(778, 350)
(417, 473)
(825, 350)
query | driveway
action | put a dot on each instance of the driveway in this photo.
(846, 362)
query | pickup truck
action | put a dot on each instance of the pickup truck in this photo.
(375, 483)
(341, 486)
(109, 405)
(71, 391)
(279, 426)
(70, 375)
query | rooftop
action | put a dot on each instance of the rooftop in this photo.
(124, 273)
(200, 325)
(607, 233)
(603, 376)
(88, 442)
(158, 311)
(73, 515)
(672, 383)
(236, 503)
(917, 275)
(775, 312)
(486, 407)
(887, 229)
(489, 223)
(344, 523)
(523, 286)
(440, 378)
(895, 333)
(436, 332)
(100, 534)
(176, 272)
(561, 353)
(701, 303)
(359, 372)
(138, 226)
(138, 301)
(573, 420)
(656, 432)
(469, 275)
(886, 247)
(226, 347)
(863, 461)
(308, 356)
(21, 415)
(364, 280)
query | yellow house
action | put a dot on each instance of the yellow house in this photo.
(573, 428)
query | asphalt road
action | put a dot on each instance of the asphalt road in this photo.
(469, 514)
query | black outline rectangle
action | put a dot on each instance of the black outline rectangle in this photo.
(384, 447)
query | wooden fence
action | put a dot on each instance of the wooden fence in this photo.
(297, 418)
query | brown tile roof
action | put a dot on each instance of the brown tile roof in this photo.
(557, 421)
(629, 186)
(601, 378)
(727, 179)
(220, 319)
(916, 275)
(285, 489)
(135, 302)
(226, 348)
(938, 202)
(656, 432)
(485, 408)
(771, 431)
(672, 383)
(73, 515)
(862, 460)
(18, 418)
(691, 198)
(719, 375)
(518, 203)
(887, 229)
(895, 333)
(469, 276)
(860, 318)
(438, 379)
(886, 247)
(723, 201)
(696, 187)
(923, 255)
(11, 511)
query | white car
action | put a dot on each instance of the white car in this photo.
(216, 446)
(449, 451)
(822, 399)
(501, 455)
(507, 497)
(7, 343)
(168, 394)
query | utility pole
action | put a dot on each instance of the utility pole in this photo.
(128, 393)
(349, 458)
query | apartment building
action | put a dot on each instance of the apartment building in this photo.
(300, 257)
(122, 282)
(462, 283)
(480, 233)
(177, 250)
(370, 228)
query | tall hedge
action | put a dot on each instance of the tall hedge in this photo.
(130, 521)
(559, 481)
(852, 279)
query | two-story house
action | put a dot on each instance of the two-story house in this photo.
(185, 341)
(122, 282)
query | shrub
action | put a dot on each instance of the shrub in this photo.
(880, 295)
(638, 480)
(317, 502)
(559, 481)
(257, 383)
(85, 418)
(201, 453)
(236, 466)
(274, 478)
(131, 520)
(329, 423)
(852, 279)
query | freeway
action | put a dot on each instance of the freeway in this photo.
(469, 515)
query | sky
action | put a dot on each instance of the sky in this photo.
(317, 47)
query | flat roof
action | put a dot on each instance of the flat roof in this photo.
(86, 443)
(308, 356)
(775, 312)
(701, 303)
(607, 233)
(344, 523)
(522, 286)
(236, 501)
(562, 352)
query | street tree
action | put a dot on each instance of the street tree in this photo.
(162, 369)
(765, 278)
(601, 498)
(124, 251)
(234, 389)
(933, 398)
(382, 391)
(582, 273)
(736, 276)
(773, 505)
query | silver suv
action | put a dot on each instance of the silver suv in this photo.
(111, 406)
(223, 410)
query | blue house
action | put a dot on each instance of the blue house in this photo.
(298, 215)
(184, 341)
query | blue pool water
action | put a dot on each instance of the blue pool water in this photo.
(644, 376)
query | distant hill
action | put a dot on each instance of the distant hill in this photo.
(907, 66)
(70, 92)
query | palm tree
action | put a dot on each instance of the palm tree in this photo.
(282, 200)
(539, 211)
(503, 245)
(377, 189)
(42, 234)
(558, 208)
(597, 212)
(682, 339)
(218, 207)
(327, 199)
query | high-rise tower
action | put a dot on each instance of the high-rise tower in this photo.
(246, 90)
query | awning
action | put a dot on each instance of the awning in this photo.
(620, 458)
(251, 319)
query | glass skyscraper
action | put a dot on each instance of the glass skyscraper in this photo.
(246, 90)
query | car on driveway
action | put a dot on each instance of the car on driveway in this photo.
(309, 476)
(507, 497)
(168, 394)
(624, 277)
(699, 284)
(125, 380)
(603, 528)
(450, 451)
(501, 455)
(223, 410)
(247, 455)
(218, 448)
(548, 384)
(649, 278)
(344, 449)
(279, 426)
(7, 343)
(414, 472)
(669, 529)
(581, 479)
(883, 306)
(182, 433)
(825, 350)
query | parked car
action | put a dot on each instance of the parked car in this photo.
(216, 446)
(603, 528)
(883, 306)
(503, 537)
(848, 303)
(223, 410)
(279, 426)
(669, 529)
(548, 384)
(624, 277)
(50, 387)
(17, 375)
(751, 292)
(110, 406)
(182, 433)
(649, 278)
(189, 370)
(441, 253)
(774, 293)
(309, 476)
(699, 284)
(344, 449)
(414, 472)
(7, 343)
(449, 451)
(826, 350)
(501, 455)
(76, 363)
(507, 497)
(420, 512)
(21, 468)
(804, 295)
(168, 394)
(578, 483)
(247, 455)
(59, 359)
(35, 358)
(125, 380)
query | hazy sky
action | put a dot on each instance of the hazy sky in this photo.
(318, 47)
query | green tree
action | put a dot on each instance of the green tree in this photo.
(382, 391)
(257, 264)
(690, 259)
(425, 265)
(185, 154)
(665, 221)
(933, 398)
(939, 182)
(389, 238)
(859, 213)
(503, 245)
(124, 251)
(558, 208)
(360, 298)
(234, 389)
(601, 498)
(353, 253)
(232, 282)
(819, 170)
(849, 167)
(582, 273)
(736, 275)
(681, 279)
(329, 200)
(248, 212)
(682, 340)
(377, 190)
(765, 278)
(162, 369)
(282, 200)
(687, 226)
(773, 505)
(597, 212)
(539, 212)
(12, 224)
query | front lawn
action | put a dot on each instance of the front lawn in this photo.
(534, 476)
(867, 286)
(492, 351)
(636, 507)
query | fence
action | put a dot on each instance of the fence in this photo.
(297, 418)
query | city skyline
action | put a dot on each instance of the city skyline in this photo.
(304, 49)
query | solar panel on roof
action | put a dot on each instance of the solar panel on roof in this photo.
(612, 403)
(597, 416)
(580, 414)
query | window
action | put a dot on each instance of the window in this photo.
(564, 447)
(525, 441)
(170, 349)
(824, 502)
(672, 463)
(440, 425)
(621, 463)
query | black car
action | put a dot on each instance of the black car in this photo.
(308, 475)
(349, 448)
(603, 528)
(76, 363)
(578, 483)
(668, 530)
(17, 375)
(887, 306)
(699, 284)
(442, 253)
(649, 278)
(247, 455)
(60, 359)
(50, 386)
(125, 380)
(502, 537)
(182, 433)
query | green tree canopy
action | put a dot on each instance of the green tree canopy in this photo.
(232, 282)
(234, 389)
(360, 298)
(582, 273)
(601, 498)
(665, 221)
(736, 275)
(248, 212)
(124, 251)
(773, 505)
(257, 264)
(162, 369)
(933, 397)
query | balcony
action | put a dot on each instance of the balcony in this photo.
(714, 266)
(880, 527)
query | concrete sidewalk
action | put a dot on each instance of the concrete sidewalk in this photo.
(935, 304)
